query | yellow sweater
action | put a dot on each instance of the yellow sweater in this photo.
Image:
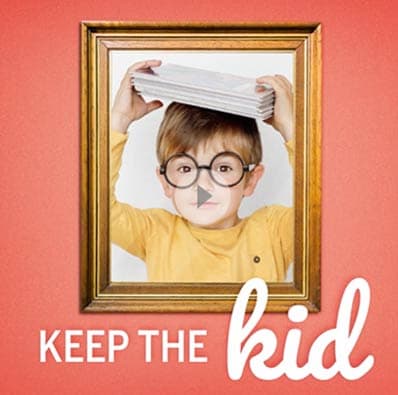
(260, 245)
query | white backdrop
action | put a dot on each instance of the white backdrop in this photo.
(138, 184)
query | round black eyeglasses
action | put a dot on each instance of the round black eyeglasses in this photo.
(226, 169)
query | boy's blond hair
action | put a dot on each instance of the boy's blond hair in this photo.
(184, 127)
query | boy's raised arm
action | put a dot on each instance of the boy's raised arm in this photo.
(281, 218)
(129, 226)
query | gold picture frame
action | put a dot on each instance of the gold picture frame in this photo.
(98, 292)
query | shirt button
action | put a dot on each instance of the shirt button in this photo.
(256, 259)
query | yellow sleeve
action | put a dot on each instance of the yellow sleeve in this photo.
(281, 223)
(290, 151)
(130, 227)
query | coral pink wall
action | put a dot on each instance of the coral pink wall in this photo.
(39, 206)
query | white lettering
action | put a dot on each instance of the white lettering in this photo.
(193, 345)
(344, 338)
(166, 346)
(112, 346)
(49, 345)
(148, 333)
(69, 345)
(91, 345)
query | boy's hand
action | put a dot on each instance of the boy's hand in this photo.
(282, 119)
(128, 105)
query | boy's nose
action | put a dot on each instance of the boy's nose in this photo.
(204, 180)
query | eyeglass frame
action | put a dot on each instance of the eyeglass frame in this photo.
(245, 169)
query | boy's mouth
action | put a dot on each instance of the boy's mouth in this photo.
(204, 204)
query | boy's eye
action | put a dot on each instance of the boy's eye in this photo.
(224, 168)
(184, 169)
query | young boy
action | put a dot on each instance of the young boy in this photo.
(209, 161)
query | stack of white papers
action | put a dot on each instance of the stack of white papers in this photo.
(209, 89)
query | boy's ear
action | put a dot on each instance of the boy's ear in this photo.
(167, 188)
(253, 179)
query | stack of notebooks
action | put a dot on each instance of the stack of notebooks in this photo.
(214, 90)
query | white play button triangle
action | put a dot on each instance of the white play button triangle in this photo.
(203, 196)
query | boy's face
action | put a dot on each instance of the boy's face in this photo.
(219, 209)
